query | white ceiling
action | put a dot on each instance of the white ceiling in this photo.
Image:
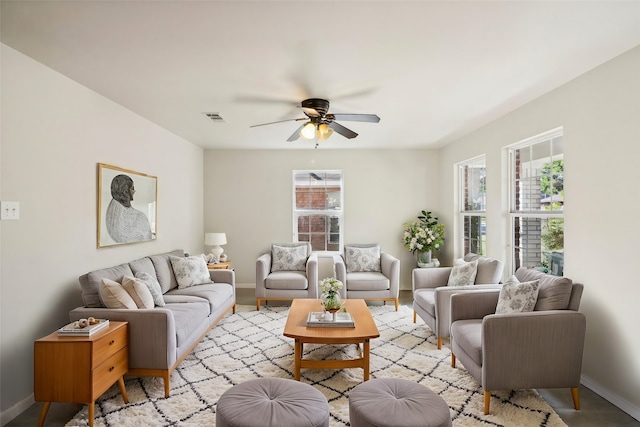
(432, 70)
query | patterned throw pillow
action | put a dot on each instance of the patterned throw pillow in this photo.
(154, 287)
(190, 271)
(289, 257)
(362, 258)
(113, 295)
(139, 292)
(516, 297)
(463, 273)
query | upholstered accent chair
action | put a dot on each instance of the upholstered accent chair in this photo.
(431, 295)
(521, 350)
(367, 273)
(288, 271)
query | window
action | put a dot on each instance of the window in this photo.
(317, 210)
(473, 205)
(537, 201)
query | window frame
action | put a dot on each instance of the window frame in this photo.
(328, 212)
(466, 241)
(553, 136)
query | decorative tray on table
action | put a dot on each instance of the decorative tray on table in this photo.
(339, 319)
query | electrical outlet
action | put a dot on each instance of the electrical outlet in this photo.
(9, 210)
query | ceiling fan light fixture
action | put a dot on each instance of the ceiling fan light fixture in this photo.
(324, 132)
(308, 131)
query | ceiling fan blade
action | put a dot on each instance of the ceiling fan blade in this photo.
(371, 118)
(347, 133)
(296, 134)
(281, 121)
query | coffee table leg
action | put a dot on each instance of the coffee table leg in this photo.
(297, 359)
(365, 362)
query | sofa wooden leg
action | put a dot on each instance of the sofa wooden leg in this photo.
(453, 360)
(396, 303)
(576, 398)
(234, 309)
(167, 384)
(414, 316)
(439, 343)
(487, 401)
(258, 304)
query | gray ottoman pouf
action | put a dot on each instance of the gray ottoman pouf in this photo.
(393, 402)
(274, 402)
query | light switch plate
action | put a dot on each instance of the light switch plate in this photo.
(10, 210)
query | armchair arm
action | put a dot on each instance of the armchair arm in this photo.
(390, 267)
(442, 306)
(152, 334)
(312, 274)
(223, 276)
(430, 277)
(473, 304)
(263, 267)
(538, 349)
(340, 270)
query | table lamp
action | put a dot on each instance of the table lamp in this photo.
(215, 240)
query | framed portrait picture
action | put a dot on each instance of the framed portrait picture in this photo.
(127, 206)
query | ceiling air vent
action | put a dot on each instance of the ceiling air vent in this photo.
(214, 117)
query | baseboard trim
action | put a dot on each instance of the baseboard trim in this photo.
(613, 398)
(245, 285)
(9, 414)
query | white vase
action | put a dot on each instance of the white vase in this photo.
(424, 259)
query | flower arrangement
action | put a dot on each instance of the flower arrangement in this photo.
(423, 235)
(329, 288)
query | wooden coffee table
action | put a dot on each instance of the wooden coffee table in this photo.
(296, 328)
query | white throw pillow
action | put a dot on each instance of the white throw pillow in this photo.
(517, 297)
(139, 292)
(463, 273)
(362, 258)
(154, 287)
(113, 295)
(190, 271)
(289, 258)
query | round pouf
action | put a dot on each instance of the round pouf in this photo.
(393, 402)
(274, 402)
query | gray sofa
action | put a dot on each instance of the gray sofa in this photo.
(160, 338)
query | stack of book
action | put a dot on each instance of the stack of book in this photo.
(74, 330)
(338, 320)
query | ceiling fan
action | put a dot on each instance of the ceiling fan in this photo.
(320, 124)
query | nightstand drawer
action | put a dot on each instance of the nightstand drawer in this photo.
(110, 371)
(109, 345)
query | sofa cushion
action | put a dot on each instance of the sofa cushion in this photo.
(139, 292)
(463, 273)
(468, 334)
(292, 280)
(426, 299)
(90, 283)
(154, 287)
(188, 317)
(114, 295)
(554, 292)
(362, 257)
(489, 269)
(367, 281)
(289, 257)
(190, 271)
(143, 265)
(164, 270)
(516, 296)
(215, 293)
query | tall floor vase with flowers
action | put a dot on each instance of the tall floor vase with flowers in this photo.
(423, 237)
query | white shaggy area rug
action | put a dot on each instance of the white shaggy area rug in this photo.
(250, 344)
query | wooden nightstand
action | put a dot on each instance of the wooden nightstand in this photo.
(80, 369)
(220, 266)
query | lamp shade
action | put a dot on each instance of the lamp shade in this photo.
(215, 239)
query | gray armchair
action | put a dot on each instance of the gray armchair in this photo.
(431, 295)
(538, 349)
(288, 271)
(369, 280)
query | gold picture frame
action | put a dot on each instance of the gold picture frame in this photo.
(127, 206)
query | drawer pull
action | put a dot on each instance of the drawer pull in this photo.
(112, 342)
(112, 368)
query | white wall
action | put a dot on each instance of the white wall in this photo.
(248, 195)
(54, 132)
(600, 112)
